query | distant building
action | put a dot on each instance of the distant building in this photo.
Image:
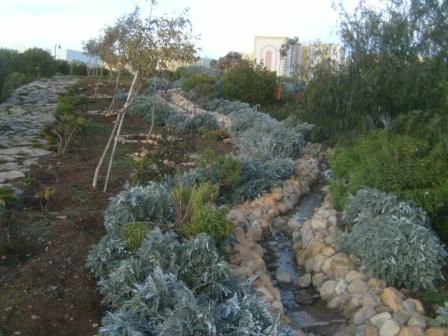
(71, 55)
(297, 59)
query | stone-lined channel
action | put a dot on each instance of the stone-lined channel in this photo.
(303, 306)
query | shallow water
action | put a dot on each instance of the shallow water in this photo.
(303, 307)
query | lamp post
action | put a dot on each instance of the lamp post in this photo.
(58, 46)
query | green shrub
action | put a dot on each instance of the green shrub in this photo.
(441, 319)
(12, 82)
(78, 69)
(391, 241)
(404, 165)
(224, 169)
(68, 122)
(191, 70)
(199, 87)
(189, 198)
(249, 82)
(134, 233)
(210, 220)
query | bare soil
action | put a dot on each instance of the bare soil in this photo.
(45, 288)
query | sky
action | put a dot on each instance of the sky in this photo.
(222, 25)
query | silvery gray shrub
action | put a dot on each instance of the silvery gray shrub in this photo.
(393, 240)
(149, 203)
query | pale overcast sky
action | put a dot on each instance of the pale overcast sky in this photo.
(223, 25)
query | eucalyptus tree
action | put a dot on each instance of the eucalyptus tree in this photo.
(150, 45)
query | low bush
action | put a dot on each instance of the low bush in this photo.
(373, 203)
(183, 289)
(107, 254)
(134, 233)
(199, 123)
(211, 220)
(143, 107)
(195, 212)
(270, 140)
(150, 203)
(225, 170)
(441, 319)
(11, 83)
(392, 241)
(67, 122)
(249, 82)
(187, 71)
(156, 84)
(199, 87)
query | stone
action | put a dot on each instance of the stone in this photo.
(304, 281)
(378, 319)
(354, 275)
(435, 332)
(309, 265)
(391, 298)
(338, 301)
(254, 232)
(402, 317)
(318, 279)
(327, 291)
(371, 331)
(304, 297)
(307, 235)
(318, 262)
(277, 196)
(376, 283)
(283, 276)
(265, 293)
(413, 305)
(318, 223)
(411, 331)
(390, 328)
(328, 251)
(341, 261)
(341, 287)
(315, 246)
(370, 299)
(277, 305)
(358, 287)
(11, 175)
(363, 315)
(417, 321)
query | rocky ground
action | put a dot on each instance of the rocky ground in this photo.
(21, 118)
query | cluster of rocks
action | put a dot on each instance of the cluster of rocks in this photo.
(174, 99)
(252, 220)
(373, 307)
(22, 116)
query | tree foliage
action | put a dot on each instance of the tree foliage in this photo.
(396, 63)
(249, 82)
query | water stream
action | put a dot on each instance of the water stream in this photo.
(303, 307)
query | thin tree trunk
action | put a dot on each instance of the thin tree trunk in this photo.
(153, 109)
(106, 149)
(109, 168)
(117, 81)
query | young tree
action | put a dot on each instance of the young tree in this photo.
(152, 44)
